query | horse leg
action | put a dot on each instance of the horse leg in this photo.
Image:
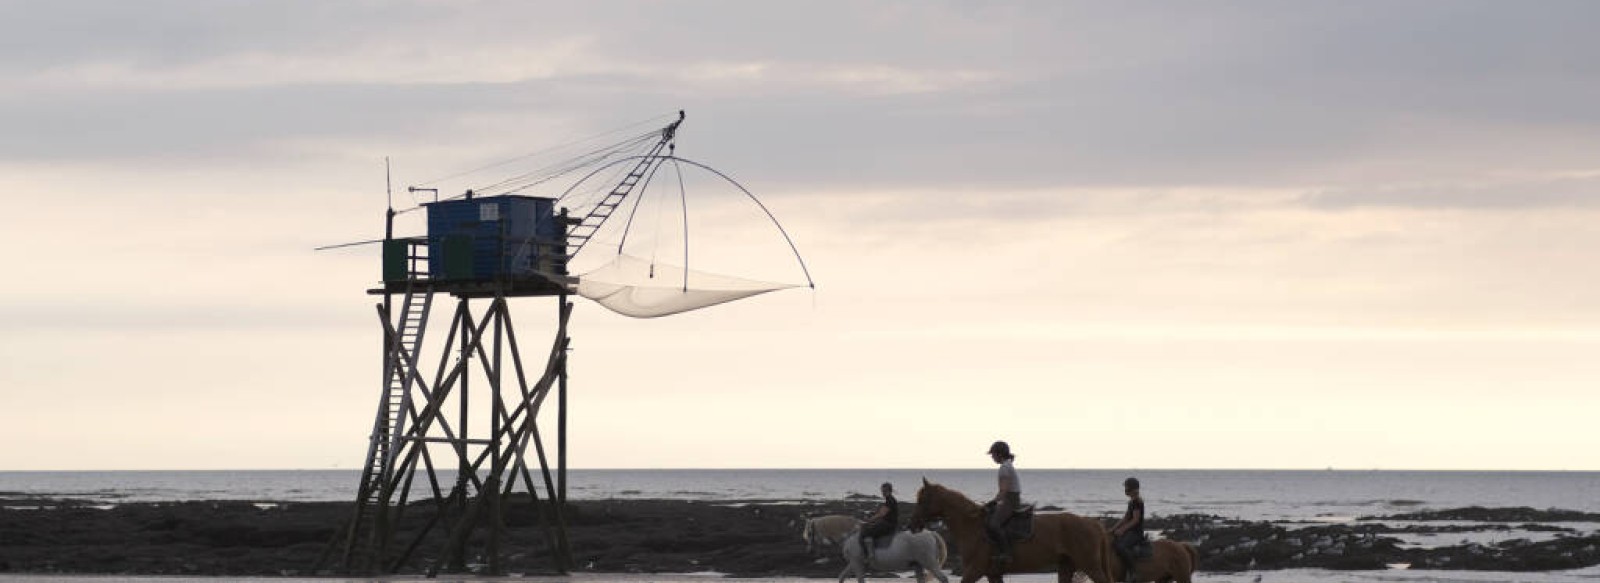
(852, 564)
(1098, 575)
(1096, 571)
(856, 566)
(1065, 570)
(925, 561)
(1177, 573)
(930, 562)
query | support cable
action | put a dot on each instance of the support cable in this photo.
(787, 239)
(547, 150)
(683, 197)
(638, 200)
(746, 191)
(565, 167)
(550, 172)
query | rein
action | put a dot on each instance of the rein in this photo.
(953, 506)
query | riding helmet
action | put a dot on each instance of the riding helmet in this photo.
(1000, 447)
(1130, 484)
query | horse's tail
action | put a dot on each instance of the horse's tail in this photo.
(1194, 557)
(944, 552)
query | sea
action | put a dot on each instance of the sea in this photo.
(1298, 497)
(1275, 495)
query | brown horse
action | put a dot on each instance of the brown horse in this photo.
(1169, 561)
(1064, 543)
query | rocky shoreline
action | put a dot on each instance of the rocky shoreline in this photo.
(742, 539)
(1375, 542)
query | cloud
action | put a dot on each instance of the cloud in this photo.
(1132, 197)
(1581, 191)
(150, 316)
(889, 96)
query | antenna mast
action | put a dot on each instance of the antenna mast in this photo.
(388, 191)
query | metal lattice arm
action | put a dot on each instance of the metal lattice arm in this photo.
(581, 230)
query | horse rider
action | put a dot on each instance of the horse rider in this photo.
(1006, 500)
(1129, 532)
(883, 522)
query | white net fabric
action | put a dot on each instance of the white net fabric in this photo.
(640, 288)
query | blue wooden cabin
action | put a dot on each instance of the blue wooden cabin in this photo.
(507, 242)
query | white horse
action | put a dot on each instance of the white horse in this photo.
(922, 551)
(827, 530)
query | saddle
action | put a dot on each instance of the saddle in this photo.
(882, 541)
(1143, 550)
(1140, 550)
(1019, 527)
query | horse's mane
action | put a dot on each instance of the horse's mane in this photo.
(952, 493)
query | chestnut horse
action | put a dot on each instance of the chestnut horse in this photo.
(1061, 542)
(1169, 561)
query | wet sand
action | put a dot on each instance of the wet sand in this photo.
(679, 540)
(1289, 576)
(742, 539)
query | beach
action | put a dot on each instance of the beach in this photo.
(287, 539)
(691, 525)
(1587, 576)
(680, 540)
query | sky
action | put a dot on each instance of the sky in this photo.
(1346, 235)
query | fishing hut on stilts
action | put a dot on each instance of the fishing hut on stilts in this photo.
(460, 436)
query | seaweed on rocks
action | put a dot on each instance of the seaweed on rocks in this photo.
(1231, 545)
(1570, 552)
(1481, 514)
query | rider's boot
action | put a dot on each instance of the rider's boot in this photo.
(1002, 553)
